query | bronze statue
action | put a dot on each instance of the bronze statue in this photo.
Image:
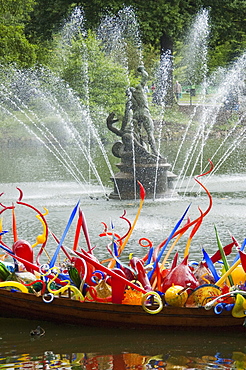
(141, 113)
(137, 115)
(138, 161)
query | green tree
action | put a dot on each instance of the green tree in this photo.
(162, 23)
(15, 11)
(228, 30)
(88, 70)
(47, 17)
(14, 46)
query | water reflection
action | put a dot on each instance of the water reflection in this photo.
(70, 347)
(124, 361)
(34, 162)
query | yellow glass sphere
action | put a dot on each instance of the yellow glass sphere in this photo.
(238, 275)
(176, 296)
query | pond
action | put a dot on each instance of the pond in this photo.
(45, 183)
(70, 347)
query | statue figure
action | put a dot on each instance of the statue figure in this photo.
(141, 113)
(136, 116)
(140, 160)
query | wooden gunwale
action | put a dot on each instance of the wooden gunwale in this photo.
(65, 310)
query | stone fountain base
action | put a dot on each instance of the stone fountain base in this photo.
(156, 179)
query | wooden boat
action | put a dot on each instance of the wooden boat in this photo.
(86, 309)
(65, 310)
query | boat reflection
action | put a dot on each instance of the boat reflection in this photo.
(122, 361)
(63, 346)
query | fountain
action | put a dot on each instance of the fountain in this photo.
(57, 119)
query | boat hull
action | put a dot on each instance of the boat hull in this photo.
(65, 310)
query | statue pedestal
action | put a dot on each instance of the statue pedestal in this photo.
(155, 178)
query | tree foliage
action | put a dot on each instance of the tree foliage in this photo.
(161, 22)
(89, 70)
(15, 11)
(34, 23)
(228, 30)
(14, 46)
(47, 18)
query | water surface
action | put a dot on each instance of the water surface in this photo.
(45, 184)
